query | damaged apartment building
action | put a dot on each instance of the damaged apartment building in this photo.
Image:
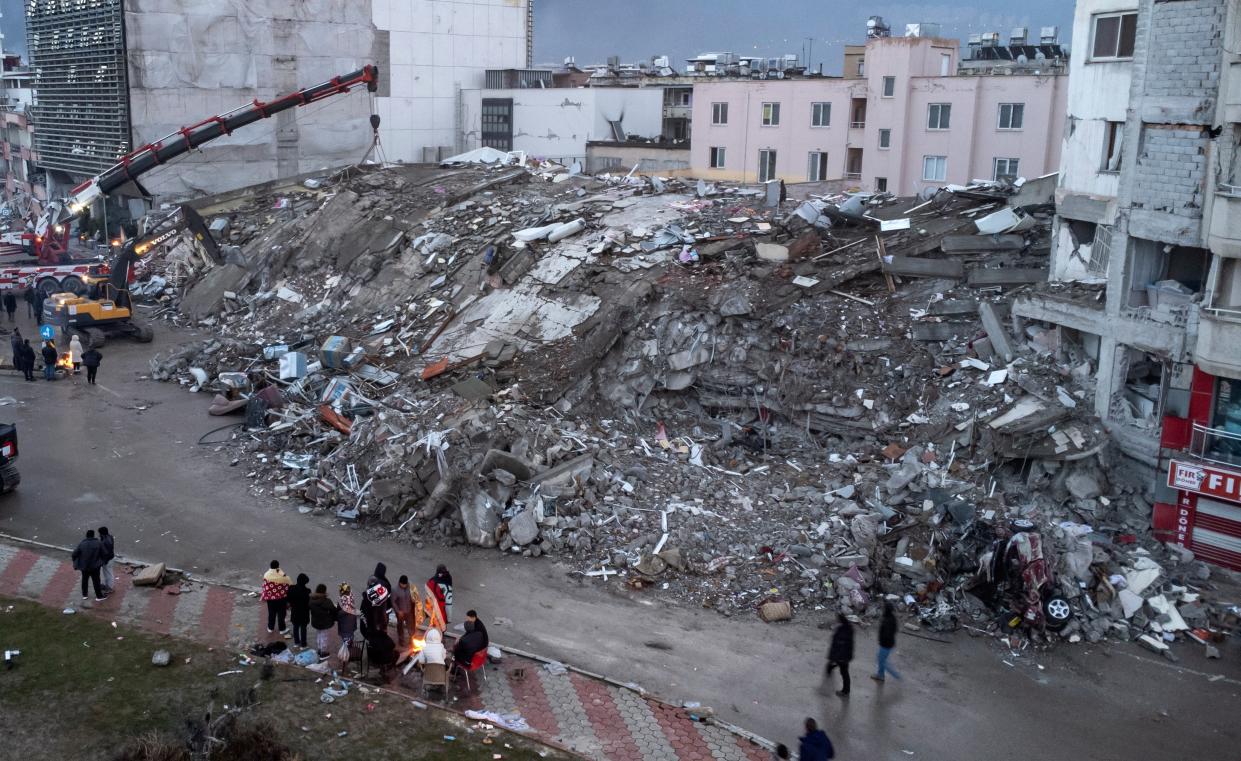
(1145, 291)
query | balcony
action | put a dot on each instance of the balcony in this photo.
(857, 125)
(853, 176)
(1219, 335)
(1224, 237)
(1217, 445)
(678, 111)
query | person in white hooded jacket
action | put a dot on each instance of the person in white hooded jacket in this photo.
(432, 649)
(75, 353)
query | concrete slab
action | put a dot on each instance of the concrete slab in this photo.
(1000, 342)
(983, 276)
(906, 266)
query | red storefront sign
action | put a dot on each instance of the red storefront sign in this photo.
(1202, 479)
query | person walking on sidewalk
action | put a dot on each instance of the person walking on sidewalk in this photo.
(39, 298)
(815, 744)
(275, 593)
(109, 552)
(27, 367)
(299, 609)
(50, 355)
(887, 641)
(841, 652)
(91, 359)
(88, 559)
(10, 305)
(322, 618)
(28, 297)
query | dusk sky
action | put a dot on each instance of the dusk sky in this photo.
(635, 30)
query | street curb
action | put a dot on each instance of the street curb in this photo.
(640, 691)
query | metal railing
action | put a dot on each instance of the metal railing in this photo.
(857, 125)
(853, 175)
(1215, 445)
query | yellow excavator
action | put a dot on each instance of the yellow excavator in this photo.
(96, 319)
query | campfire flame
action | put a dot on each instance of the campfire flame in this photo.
(416, 645)
(65, 362)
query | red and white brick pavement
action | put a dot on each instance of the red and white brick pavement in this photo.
(591, 716)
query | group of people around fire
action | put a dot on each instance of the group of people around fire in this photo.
(294, 608)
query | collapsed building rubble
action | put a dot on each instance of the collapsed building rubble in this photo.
(735, 397)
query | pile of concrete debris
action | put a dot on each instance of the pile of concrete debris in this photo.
(712, 389)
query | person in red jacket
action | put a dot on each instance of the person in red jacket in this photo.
(275, 593)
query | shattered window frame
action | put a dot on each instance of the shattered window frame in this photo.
(1016, 116)
(1010, 165)
(938, 116)
(885, 144)
(816, 169)
(821, 114)
(767, 164)
(718, 156)
(719, 113)
(942, 164)
(889, 87)
(771, 114)
(1113, 146)
(1115, 34)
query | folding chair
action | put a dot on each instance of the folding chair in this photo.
(435, 675)
(476, 664)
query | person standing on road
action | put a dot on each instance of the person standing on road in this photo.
(28, 297)
(275, 593)
(815, 744)
(91, 359)
(109, 552)
(15, 341)
(299, 609)
(38, 306)
(10, 305)
(75, 352)
(88, 559)
(887, 641)
(322, 618)
(841, 652)
(439, 596)
(375, 607)
(405, 605)
(50, 355)
(27, 359)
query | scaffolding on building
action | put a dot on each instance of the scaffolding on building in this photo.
(81, 106)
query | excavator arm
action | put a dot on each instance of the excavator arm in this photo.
(160, 152)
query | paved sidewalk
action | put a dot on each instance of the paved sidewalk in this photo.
(586, 714)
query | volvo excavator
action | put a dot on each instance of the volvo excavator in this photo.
(94, 319)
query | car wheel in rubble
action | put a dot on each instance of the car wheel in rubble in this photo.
(1057, 612)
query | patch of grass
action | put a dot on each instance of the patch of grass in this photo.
(84, 689)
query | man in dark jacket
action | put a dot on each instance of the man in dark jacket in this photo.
(322, 618)
(28, 297)
(841, 652)
(10, 304)
(472, 642)
(38, 306)
(15, 341)
(887, 641)
(299, 609)
(109, 553)
(27, 367)
(815, 745)
(88, 559)
(374, 607)
(50, 355)
(91, 358)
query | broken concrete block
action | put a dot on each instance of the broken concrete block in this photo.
(1083, 485)
(161, 658)
(479, 519)
(523, 528)
(496, 458)
(565, 472)
(735, 305)
(1130, 602)
(772, 252)
(149, 576)
(1212, 652)
(1000, 342)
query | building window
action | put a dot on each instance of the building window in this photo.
(771, 114)
(938, 115)
(1012, 115)
(719, 113)
(1004, 169)
(861, 67)
(889, 87)
(766, 165)
(497, 123)
(818, 166)
(1113, 35)
(945, 64)
(934, 168)
(881, 184)
(717, 158)
(684, 97)
(1113, 136)
(1100, 250)
(821, 115)
(885, 138)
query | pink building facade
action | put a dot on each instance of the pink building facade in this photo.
(912, 120)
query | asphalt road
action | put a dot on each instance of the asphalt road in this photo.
(124, 454)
